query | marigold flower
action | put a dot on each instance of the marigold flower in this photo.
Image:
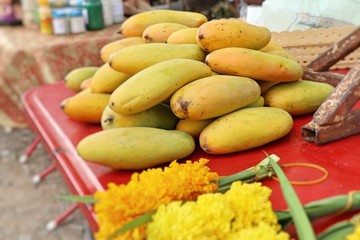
(244, 210)
(356, 234)
(146, 191)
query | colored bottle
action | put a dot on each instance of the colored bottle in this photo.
(45, 19)
(93, 14)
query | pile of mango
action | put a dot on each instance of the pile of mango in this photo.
(177, 81)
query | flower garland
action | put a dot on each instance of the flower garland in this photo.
(243, 212)
(146, 191)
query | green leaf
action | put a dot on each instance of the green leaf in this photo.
(337, 231)
(302, 223)
(136, 222)
(79, 199)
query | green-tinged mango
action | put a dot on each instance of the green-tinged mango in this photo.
(254, 64)
(245, 129)
(213, 96)
(106, 79)
(260, 102)
(299, 97)
(133, 59)
(134, 148)
(155, 84)
(192, 127)
(75, 77)
(231, 32)
(117, 45)
(159, 116)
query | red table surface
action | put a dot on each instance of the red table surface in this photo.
(60, 135)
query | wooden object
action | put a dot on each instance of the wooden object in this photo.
(335, 119)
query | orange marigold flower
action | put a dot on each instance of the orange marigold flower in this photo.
(146, 191)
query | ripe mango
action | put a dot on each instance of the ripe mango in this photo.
(231, 32)
(85, 106)
(258, 102)
(155, 84)
(213, 96)
(160, 32)
(299, 97)
(254, 64)
(192, 127)
(117, 45)
(186, 35)
(275, 48)
(135, 25)
(106, 79)
(245, 129)
(159, 116)
(134, 148)
(133, 59)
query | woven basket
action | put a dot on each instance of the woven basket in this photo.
(308, 44)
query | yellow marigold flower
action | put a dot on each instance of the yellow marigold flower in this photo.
(245, 207)
(261, 232)
(356, 234)
(251, 204)
(207, 218)
(146, 191)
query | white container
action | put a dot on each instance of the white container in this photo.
(107, 12)
(60, 21)
(117, 10)
(77, 21)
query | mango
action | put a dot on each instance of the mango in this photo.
(231, 32)
(186, 35)
(213, 96)
(75, 77)
(160, 32)
(106, 79)
(298, 98)
(155, 84)
(133, 59)
(159, 116)
(254, 64)
(136, 24)
(135, 148)
(85, 106)
(117, 45)
(245, 129)
(260, 102)
(192, 127)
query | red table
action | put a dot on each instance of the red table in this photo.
(60, 135)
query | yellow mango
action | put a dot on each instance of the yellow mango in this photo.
(192, 127)
(213, 96)
(160, 32)
(231, 32)
(135, 148)
(136, 58)
(106, 79)
(245, 129)
(85, 106)
(155, 84)
(159, 116)
(186, 35)
(299, 97)
(276, 49)
(117, 45)
(260, 102)
(135, 25)
(254, 64)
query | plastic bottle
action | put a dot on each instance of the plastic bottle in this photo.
(45, 20)
(107, 12)
(93, 14)
(77, 21)
(60, 21)
(117, 11)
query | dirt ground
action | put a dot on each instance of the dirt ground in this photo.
(26, 207)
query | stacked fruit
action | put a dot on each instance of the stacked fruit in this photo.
(177, 80)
